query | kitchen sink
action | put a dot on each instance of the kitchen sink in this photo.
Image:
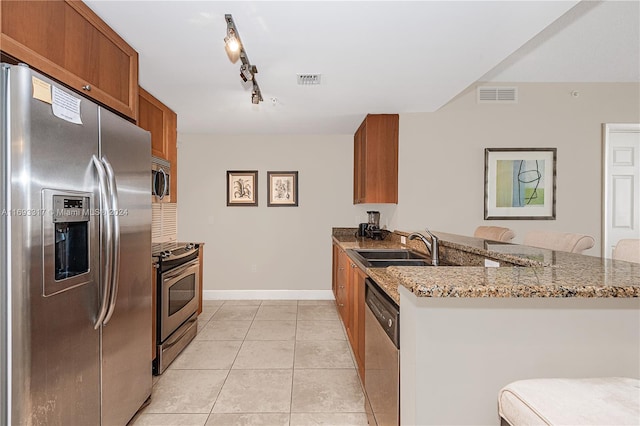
(381, 258)
(383, 263)
(395, 254)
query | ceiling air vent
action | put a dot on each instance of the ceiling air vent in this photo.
(503, 95)
(309, 79)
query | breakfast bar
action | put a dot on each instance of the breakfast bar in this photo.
(467, 330)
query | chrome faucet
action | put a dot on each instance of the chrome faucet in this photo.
(431, 246)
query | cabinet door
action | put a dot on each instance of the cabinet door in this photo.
(161, 121)
(171, 131)
(358, 322)
(360, 164)
(68, 41)
(152, 116)
(335, 252)
(376, 160)
(343, 278)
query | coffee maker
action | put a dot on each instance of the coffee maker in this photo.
(371, 229)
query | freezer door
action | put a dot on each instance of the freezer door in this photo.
(55, 350)
(126, 360)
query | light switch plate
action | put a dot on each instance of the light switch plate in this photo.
(403, 240)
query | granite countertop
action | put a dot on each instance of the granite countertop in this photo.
(531, 272)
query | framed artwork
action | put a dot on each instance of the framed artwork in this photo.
(242, 188)
(282, 189)
(520, 183)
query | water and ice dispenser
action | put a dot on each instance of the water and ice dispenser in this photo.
(67, 231)
(71, 222)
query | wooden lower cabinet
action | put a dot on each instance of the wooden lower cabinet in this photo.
(356, 323)
(342, 278)
(348, 287)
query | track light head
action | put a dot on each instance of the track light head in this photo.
(232, 41)
(246, 73)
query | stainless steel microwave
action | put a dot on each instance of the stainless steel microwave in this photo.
(160, 180)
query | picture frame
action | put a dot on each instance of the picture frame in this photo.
(282, 189)
(520, 183)
(242, 188)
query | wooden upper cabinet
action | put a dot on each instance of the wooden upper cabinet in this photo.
(162, 122)
(375, 160)
(69, 42)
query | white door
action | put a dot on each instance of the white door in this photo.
(621, 209)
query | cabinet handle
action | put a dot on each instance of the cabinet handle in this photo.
(341, 305)
(341, 286)
(353, 265)
(86, 87)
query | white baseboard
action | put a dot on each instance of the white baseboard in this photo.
(267, 295)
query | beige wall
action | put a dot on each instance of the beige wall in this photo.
(442, 155)
(266, 248)
(441, 182)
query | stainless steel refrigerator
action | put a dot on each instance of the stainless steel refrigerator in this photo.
(75, 226)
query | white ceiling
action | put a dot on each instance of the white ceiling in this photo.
(374, 56)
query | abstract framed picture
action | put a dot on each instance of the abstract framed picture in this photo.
(282, 188)
(242, 188)
(520, 183)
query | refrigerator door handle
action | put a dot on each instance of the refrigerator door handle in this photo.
(105, 223)
(115, 247)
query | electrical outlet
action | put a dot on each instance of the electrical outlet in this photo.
(488, 263)
(403, 240)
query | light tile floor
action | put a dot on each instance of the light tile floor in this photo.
(272, 362)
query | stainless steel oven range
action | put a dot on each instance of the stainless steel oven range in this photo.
(178, 275)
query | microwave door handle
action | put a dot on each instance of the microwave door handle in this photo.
(105, 226)
(165, 187)
(113, 215)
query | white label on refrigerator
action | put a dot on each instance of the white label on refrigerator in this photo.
(41, 90)
(66, 106)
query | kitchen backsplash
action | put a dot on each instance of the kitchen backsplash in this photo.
(164, 222)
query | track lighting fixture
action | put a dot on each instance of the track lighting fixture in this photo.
(235, 50)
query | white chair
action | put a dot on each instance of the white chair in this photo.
(494, 233)
(559, 241)
(594, 401)
(627, 249)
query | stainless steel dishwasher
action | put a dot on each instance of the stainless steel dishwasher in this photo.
(381, 359)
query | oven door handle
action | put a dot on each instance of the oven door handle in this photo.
(176, 272)
(105, 224)
(115, 247)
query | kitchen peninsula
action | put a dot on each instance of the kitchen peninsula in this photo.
(468, 330)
